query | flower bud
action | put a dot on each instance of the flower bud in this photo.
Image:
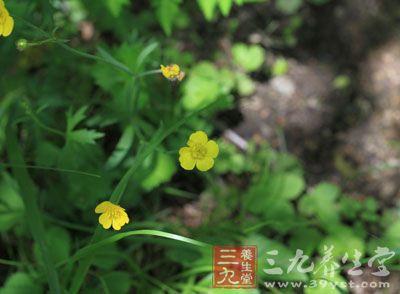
(22, 44)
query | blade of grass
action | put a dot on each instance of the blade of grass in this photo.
(78, 172)
(90, 249)
(116, 196)
(33, 214)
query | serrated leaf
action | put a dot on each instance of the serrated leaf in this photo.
(321, 202)
(73, 119)
(85, 136)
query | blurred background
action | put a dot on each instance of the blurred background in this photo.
(306, 115)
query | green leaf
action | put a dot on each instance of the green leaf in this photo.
(85, 136)
(117, 282)
(142, 154)
(108, 257)
(47, 154)
(288, 6)
(29, 195)
(204, 85)
(73, 119)
(288, 185)
(225, 6)
(122, 148)
(245, 84)
(392, 236)
(327, 284)
(60, 244)
(264, 246)
(162, 172)
(249, 57)
(167, 11)
(207, 7)
(306, 239)
(341, 82)
(343, 241)
(280, 67)
(20, 283)
(115, 6)
(112, 60)
(321, 202)
(11, 205)
(89, 249)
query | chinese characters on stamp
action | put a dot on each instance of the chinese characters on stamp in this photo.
(234, 266)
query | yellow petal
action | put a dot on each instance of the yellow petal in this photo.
(8, 26)
(120, 221)
(164, 71)
(205, 164)
(116, 225)
(1, 29)
(105, 220)
(212, 149)
(174, 69)
(187, 161)
(103, 207)
(184, 150)
(198, 137)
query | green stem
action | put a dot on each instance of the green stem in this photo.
(11, 262)
(51, 169)
(61, 43)
(32, 211)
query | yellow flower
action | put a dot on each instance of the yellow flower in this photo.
(111, 214)
(6, 21)
(200, 153)
(172, 72)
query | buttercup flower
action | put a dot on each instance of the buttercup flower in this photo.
(200, 153)
(6, 21)
(172, 72)
(111, 215)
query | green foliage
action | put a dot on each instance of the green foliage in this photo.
(288, 6)
(20, 283)
(11, 205)
(167, 11)
(280, 67)
(249, 57)
(208, 7)
(116, 6)
(341, 82)
(86, 116)
(205, 84)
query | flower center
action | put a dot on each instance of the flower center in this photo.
(115, 213)
(198, 151)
